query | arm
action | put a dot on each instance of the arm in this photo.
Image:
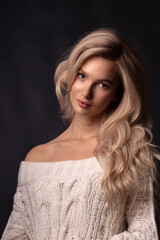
(18, 221)
(141, 220)
(15, 228)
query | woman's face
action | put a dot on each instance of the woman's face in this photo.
(95, 87)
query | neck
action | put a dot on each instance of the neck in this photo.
(84, 127)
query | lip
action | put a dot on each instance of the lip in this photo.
(83, 104)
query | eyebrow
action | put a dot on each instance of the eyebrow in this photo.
(100, 80)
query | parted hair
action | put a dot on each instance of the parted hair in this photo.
(124, 148)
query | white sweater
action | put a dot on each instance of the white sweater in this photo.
(63, 201)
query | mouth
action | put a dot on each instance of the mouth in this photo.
(83, 104)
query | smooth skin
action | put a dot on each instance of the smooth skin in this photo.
(94, 88)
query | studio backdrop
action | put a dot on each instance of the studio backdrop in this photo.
(34, 36)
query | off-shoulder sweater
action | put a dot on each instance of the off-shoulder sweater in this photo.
(64, 201)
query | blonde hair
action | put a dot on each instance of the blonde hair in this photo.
(127, 155)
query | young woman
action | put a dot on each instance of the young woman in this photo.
(94, 181)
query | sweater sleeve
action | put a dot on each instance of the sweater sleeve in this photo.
(15, 226)
(141, 220)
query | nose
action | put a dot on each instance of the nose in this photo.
(87, 91)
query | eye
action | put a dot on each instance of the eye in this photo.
(103, 85)
(81, 75)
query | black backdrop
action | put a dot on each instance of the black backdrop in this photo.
(33, 36)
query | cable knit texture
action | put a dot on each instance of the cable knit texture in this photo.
(64, 201)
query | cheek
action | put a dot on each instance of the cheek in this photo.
(104, 98)
(103, 101)
(71, 95)
(74, 88)
(73, 92)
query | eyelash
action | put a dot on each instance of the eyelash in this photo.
(105, 85)
(82, 76)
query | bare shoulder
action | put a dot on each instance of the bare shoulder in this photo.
(44, 152)
(36, 154)
(49, 152)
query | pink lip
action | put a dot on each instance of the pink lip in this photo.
(83, 104)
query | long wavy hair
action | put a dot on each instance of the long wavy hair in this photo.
(127, 155)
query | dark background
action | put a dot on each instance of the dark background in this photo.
(33, 35)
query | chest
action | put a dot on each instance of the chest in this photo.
(72, 150)
(74, 208)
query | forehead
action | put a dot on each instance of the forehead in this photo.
(99, 67)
